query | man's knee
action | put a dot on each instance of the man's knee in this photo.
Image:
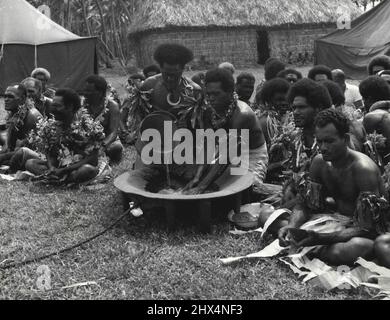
(35, 166)
(348, 252)
(382, 250)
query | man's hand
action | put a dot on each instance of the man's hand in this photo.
(283, 236)
(302, 238)
(53, 172)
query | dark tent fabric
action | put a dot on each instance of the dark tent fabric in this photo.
(352, 49)
(36, 41)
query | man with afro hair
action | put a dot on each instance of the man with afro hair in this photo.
(320, 73)
(291, 75)
(374, 89)
(378, 64)
(351, 179)
(169, 91)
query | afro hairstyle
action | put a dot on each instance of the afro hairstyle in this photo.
(245, 76)
(282, 74)
(272, 68)
(320, 69)
(376, 88)
(223, 76)
(335, 117)
(383, 61)
(317, 96)
(270, 88)
(99, 82)
(173, 54)
(337, 95)
(42, 71)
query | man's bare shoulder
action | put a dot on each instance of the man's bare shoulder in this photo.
(245, 109)
(151, 82)
(363, 164)
(374, 118)
(245, 115)
(33, 113)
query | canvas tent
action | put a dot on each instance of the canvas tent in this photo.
(29, 39)
(352, 49)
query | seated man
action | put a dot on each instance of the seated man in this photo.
(353, 181)
(245, 85)
(43, 75)
(67, 147)
(169, 91)
(320, 73)
(291, 75)
(351, 92)
(378, 64)
(22, 119)
(106, 112)
(227, 112)
(34, 93)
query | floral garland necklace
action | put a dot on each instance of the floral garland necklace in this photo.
(219, 121)
(17, 119)
(100, 116)
(303, 150)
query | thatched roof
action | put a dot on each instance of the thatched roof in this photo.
(158, 14)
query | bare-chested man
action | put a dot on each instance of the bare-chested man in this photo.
(227, 112)
(106, 112)
(22, 119)
(171, 91)
(34, 93)
(353, 181)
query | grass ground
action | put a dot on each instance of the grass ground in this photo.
(137, 259)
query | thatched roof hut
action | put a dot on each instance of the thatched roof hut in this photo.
(176, 17)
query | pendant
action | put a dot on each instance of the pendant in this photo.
(173, 104)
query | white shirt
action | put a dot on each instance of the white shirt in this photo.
(352, 94)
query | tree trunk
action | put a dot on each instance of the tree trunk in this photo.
(104, 31)
(85, 17)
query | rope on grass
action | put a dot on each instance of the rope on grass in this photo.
(40, 258)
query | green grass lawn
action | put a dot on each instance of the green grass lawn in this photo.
(135, 260)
